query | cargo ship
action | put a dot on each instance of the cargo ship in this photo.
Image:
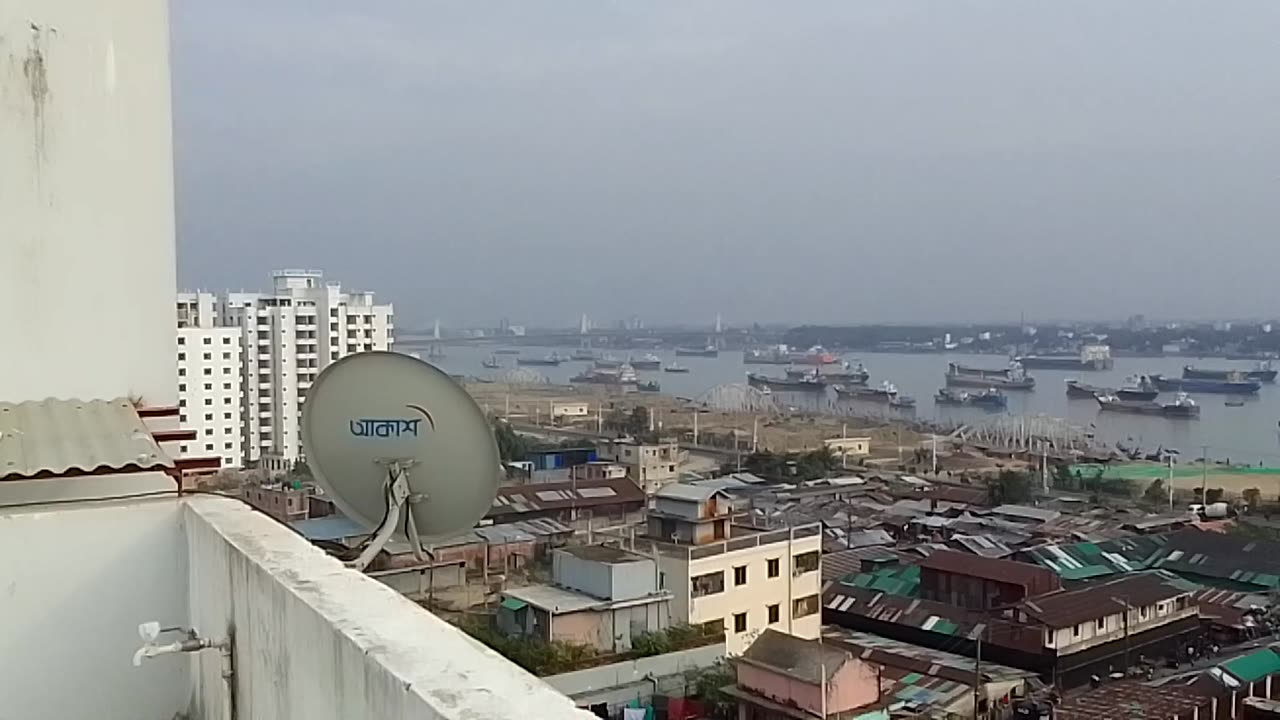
(622, 375)
(1181, 407)
(1263, 372)
(1135, 387)
(1012, 378)
(708, 351)
(990, 398)
(1090, 357)
(648, 362)
(551, 360)
(1235, 384)
(776, 355)
(886, 393)
(843, 374)
(815, 355)
(805, 384)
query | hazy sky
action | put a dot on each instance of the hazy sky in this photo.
(825, 161)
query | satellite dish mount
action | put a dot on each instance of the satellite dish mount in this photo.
(397, 494)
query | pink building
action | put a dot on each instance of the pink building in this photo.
(782, 677)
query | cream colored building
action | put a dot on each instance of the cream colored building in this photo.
(738, 578)
(854, 447)
(651, 465)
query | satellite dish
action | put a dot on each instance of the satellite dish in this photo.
(383, 430)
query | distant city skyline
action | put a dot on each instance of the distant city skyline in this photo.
(845, 163)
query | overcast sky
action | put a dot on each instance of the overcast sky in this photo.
(825, 161)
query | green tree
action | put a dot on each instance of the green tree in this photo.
(1010, 486)
(512, 446)
(1155, 492)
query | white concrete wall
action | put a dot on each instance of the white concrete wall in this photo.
(75, 582)
(315, 640)
(86, 200)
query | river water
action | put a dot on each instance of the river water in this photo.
(1242, 434)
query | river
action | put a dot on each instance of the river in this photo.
(1242, 434)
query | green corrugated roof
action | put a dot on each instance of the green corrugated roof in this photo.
(946, 627)
(1254, 666)
(1089, 571)
(910, 678)
(1088, 548)
(891, 580)
(513, 604)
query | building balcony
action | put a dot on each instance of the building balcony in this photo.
(307, 637)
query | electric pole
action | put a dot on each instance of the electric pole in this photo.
(977, 675)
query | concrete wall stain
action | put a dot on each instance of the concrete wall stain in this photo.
(35, 70)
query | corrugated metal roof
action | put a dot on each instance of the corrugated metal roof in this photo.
(46, 438)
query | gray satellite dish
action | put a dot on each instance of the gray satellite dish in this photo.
(382, 430)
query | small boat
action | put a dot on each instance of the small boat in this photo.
(1077, 389)
(708, 351)
(1182, 406)
(1135, 387)
(1234, 402)
(1235, 384)
(1011, 378)
(805, 384)
(551, 360)
(650, 386)
(886, 393)
(491, 362)
(506, 351)
(1262, 372)
(675, 368)
(648, 362)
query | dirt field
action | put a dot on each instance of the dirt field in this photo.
(1233, 479)
(775, 431)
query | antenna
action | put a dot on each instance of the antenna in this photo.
(384, 432)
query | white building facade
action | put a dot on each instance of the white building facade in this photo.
(210, 386)
(286, 337)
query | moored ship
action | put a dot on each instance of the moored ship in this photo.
(1235, 384)
(1181, 407)
(708, 351)
(1012, 378)
(1090, 357)
(885, 393)
(816, 355)
(774, 355)
(990, 398)
(806, 384)
(1263, 372)
(1135, 387)
(547, 361)
(843, 373)
(622, 375)
(648, 362)
(675, 368)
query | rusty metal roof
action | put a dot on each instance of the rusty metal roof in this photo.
(50, 438)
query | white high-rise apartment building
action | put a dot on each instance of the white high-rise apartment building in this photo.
(210, 385)
(289, 335)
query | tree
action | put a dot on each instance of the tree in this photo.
(1213, 495)
(1155, 492)
(1253, 497)
(1010, 486)
(512, 447)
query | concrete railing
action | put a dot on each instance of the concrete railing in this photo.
(313, 639)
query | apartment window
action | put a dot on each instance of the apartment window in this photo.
(226, 416)
(1102, 624)
(226, 429)
(804, 607)
(182, 402)
(740, 575)
(226, 341)
(208, 417)
(207, 341)
(226, 356)
(806, 562)
(1144, 612)
(208, 432)
(739, 622)
(208, 447)
(226, 446)
(1075, 631)
(226, 386)
(772, 565)
(182, 372)
(774, 613)
(182, 449)
(182, 418)
(182, 356)
(208, 386)
(182, 387)
(226, 401)
(208, 371)
(708, 584)
(208, 356)
(208, 401)
(182, 341)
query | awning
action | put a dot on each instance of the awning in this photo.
(513, 604)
